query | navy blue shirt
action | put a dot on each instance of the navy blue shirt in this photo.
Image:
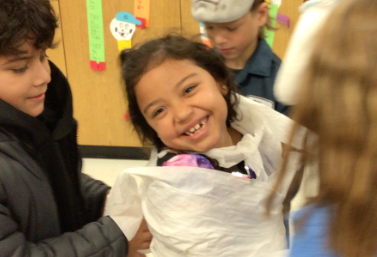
(257, 78)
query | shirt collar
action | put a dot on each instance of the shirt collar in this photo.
(259, 63)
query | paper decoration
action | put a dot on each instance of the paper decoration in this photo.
(278, 2)
(96, 35)
(142, 12)
(123, 27)
(124, 44)
(273, 11)
(127, 116)
(127, 17)
(203, 35)
(122, 30)
(284, 20)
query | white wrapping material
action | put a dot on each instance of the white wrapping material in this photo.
(300, 48)
(199, 212)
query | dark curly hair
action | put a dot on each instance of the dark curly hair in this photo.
(22, 20)
(137, 61)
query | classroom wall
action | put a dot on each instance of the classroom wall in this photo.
(99, 101)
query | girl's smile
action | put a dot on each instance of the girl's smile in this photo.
(196, 128)
(185, 105)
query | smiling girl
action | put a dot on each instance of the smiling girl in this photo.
(182, 101)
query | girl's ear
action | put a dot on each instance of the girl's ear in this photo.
(223, 88)
(262, 12)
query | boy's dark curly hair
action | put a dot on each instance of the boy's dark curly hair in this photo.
(22, 20)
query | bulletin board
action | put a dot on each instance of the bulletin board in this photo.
(99, 100)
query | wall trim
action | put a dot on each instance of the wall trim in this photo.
(114, 152)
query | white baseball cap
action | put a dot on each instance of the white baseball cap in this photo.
(219, 11)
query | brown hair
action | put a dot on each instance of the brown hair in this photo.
(137, 61)
(270, 20)
(337, 104)
(22, 20)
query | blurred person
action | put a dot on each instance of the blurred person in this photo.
(337, 105)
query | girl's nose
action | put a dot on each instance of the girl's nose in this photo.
(42, 73)
(182, 112)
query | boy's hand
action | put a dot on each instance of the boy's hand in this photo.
(142, 240)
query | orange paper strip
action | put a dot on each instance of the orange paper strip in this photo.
(142, 9)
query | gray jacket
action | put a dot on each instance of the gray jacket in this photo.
(47, 206)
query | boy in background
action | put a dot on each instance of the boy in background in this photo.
(236, 30)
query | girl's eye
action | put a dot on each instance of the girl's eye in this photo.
(189, 89)
(158, 111)
(231, 29)
(21, 70)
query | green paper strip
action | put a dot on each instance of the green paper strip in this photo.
(95, 27)
(273, 11)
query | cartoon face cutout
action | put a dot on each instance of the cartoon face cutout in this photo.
(122, 30)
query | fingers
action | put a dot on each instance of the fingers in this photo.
(146, 235)
(144, 225)
(143, 237)
(142, 241)
(144, 245)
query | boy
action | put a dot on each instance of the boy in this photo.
(47, 206)
(235, 29)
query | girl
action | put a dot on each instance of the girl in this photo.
(182, 100)
(337, 103)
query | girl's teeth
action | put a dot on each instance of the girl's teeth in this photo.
(195, 128)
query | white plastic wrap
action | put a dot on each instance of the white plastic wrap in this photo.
(200, 212)
(197, 212)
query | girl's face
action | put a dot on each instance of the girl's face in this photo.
(185, 106)
(24, 79)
